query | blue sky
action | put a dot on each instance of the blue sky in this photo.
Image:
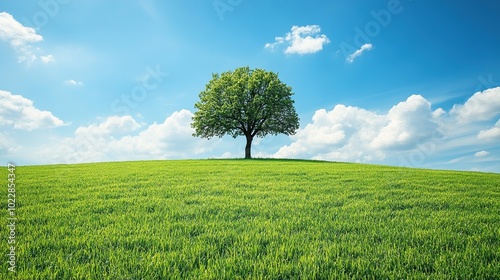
(408, 83)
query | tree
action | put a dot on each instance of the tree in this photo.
(246, 103)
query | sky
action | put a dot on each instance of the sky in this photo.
(395, 82)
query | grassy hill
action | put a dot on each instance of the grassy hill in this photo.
(262, 219)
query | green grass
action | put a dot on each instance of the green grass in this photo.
(257, 219)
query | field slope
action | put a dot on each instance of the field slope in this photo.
(257, 219)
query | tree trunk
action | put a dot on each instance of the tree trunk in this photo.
(248, 147)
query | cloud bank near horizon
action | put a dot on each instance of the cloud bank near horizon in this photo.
(467, 132)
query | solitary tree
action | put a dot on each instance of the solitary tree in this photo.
(247, 103)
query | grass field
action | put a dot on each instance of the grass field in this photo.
(257, 219)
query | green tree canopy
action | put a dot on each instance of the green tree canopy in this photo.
(245, 102)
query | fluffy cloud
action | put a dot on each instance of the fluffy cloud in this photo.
(112, 125)
(354, 134)
(301, 40)
(113, 139)
(20, 113)
(19, 37)
(482, 106)
(334, 134)
(490, 134)
(408, 123)
(409, 134)
(358, 53)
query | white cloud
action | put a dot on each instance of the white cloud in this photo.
(358, 53)
(411, 133)
(482, 106)
(481, 154)
(343, 133)
(19, 37)
(301, 40)
(408, 122)
(490, 134)
(73, 83)
(354, 134)
(20, 113)
(113, 139)
(112, 125)
(47, 58)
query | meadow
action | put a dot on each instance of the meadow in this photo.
(251, 219)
